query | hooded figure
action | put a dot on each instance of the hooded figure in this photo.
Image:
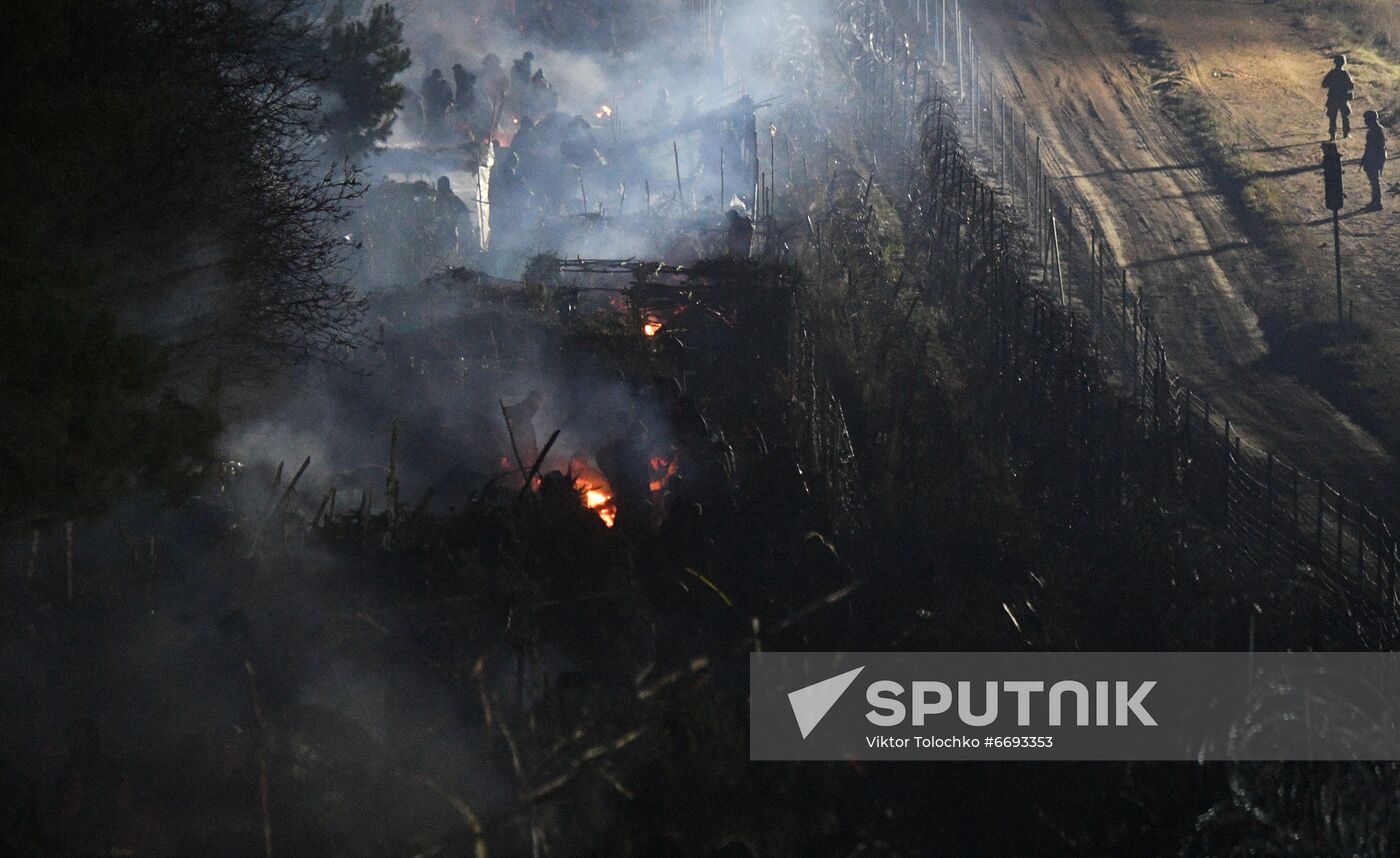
(522, 70)
(437, 97)
(521, 143)
(465, 82)
(1339, 86)
(1373, 161)
(579, 146)
(739, 235)
(448, 211)
(540, 99)
(509, 197)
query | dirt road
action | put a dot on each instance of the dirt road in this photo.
(1262, 66)
(1066, 65)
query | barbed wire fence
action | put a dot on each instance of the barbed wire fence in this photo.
(1022, 270)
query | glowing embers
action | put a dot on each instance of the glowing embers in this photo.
(652, 326)
(603, 112)
(662, 470)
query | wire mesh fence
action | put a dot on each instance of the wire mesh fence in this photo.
(1033, 290)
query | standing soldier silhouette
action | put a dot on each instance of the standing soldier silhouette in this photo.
(1373, 161)
(1339, 86)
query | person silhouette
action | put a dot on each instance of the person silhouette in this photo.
(1339, 86)
(1373, 161)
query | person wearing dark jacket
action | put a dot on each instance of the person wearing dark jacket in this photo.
(509, 198)
(739, 236)
(540, 99)
(1373, 161)
(1339, 86)
(437, 97)
(464, 82)
(448, 213)
(522, 70)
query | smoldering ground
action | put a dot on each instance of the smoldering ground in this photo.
(270, 671)
(211, 677)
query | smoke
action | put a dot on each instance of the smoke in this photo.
(167, 670)
(649, 81)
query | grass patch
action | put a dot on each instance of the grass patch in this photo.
(1376, 23)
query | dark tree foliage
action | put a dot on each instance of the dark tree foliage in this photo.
(361, 99)
(165, 199)
(85, 412)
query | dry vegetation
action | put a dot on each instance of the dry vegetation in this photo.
(1377, 21)
(1368, 31)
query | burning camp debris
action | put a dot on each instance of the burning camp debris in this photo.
(687, 334)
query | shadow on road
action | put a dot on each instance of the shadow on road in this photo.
(1191, 254)
(1328, 218)
(1129, 171)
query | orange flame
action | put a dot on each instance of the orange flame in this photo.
(603, 112)
(597, 494)
(601, 502)
(652, 326)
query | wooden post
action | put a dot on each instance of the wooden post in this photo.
(972, 84)
(756, 168)
(723, 203)
(957, 26)
(943, 32)
(676, 154)
(772, 165)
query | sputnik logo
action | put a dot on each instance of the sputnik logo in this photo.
(810, 704)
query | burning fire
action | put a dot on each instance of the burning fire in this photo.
(601, 502)
(597, 494)
(652, 326)
(603, 112)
